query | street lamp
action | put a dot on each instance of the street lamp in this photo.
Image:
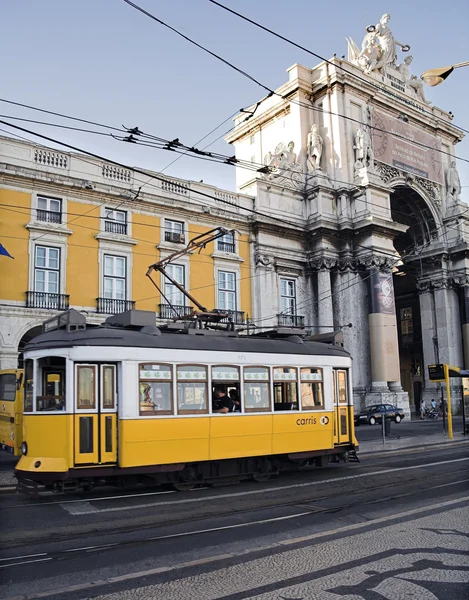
(436, 76)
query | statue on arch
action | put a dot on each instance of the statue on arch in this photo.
(314, 149)
(411, 80)
(364, 155)
(379, 48)
(453, 183)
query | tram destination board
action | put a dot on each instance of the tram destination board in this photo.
(436, 372)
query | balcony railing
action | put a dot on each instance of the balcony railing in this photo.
(47, 301)
(111, 306)
(115, 227)
(226, 247)
(50, 216)
(236, 316)
(167, 312)
(291, 321)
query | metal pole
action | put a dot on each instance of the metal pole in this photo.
(383, 428)
(448, 403)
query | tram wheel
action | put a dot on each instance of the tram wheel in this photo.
(182, 486)
(261, 477)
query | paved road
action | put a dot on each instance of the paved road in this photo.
(414, 428)
(347, 531)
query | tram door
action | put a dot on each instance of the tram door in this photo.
(341, 407)
(95, 414)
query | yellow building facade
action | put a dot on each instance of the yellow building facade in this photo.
(82, 234)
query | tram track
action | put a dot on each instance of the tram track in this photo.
(76, 552)
(314, 503)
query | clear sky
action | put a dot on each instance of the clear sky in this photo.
(104, 61)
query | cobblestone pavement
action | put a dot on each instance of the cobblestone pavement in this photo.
(421, 559)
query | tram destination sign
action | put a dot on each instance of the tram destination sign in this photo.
(406, 147)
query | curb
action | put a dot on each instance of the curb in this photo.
(413, 448)
(5, 489)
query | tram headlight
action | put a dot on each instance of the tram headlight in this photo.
(24, 448)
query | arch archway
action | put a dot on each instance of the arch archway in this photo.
(410, 208)
(26, 338)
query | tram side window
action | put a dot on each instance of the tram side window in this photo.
(342, 386)
(86, 387)
(28, 385)
(8, 387)
(312, 394)
(227, 377)
(155, 389)
(256, 389)
(285, 388)
(50, 391)
(192, 389)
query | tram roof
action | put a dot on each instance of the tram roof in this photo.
(159, 338)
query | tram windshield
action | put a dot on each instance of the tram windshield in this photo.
(50, 384)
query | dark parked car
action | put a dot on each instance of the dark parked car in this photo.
(374, 414)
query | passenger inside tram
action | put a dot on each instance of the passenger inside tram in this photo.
(221, 402)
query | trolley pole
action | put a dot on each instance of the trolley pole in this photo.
(448, 403)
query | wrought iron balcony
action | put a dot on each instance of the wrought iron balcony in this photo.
(112, 306)
(115, 227)
(167, 312)
(226, 247)
(50, 216)
(236, 316)
(47, 301)
(290, 321)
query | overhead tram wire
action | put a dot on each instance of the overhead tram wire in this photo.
(219, 159)
(140, 171)
(248, 165)
(285, 98)
(308, 51)
(282, 221)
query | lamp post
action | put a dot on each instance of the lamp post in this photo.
(436, 76)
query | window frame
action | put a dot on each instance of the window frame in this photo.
(114, 277)
(234, 291)
(48, 200)
(113, 220)
(208, 408)
(170, 289)
(286, 381)
(294, 297)
(269, 389)
(171, 381)
(47, 269)
(172, 226)
(223, 240)
(313, 382)
(89, 409)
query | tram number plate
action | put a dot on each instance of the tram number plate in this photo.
(241, 357)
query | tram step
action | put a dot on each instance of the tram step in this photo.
(352, 456)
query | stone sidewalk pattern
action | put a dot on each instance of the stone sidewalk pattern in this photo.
(395, 562)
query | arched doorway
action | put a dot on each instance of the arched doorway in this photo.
(27, 337)
(409, 208)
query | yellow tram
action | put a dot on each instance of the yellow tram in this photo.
(11, 410)
(129, 402)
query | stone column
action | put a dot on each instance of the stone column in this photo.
(384, 347)
(325, 311)
(465, 324)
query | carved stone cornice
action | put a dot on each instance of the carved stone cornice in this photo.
(386, 172)
(443, 283)
(431, 189)
(345, 265)
(383, 263)
(264, 259)
(321, 263)
(461, 280)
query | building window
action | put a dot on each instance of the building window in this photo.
(288, 296)
(226, 243)
(115, 221)
(174, 231)
(156, 389)
(115, 268)
(172, 293)
(407, 324)
(49, 209)
(47, 270)
(227, 290)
